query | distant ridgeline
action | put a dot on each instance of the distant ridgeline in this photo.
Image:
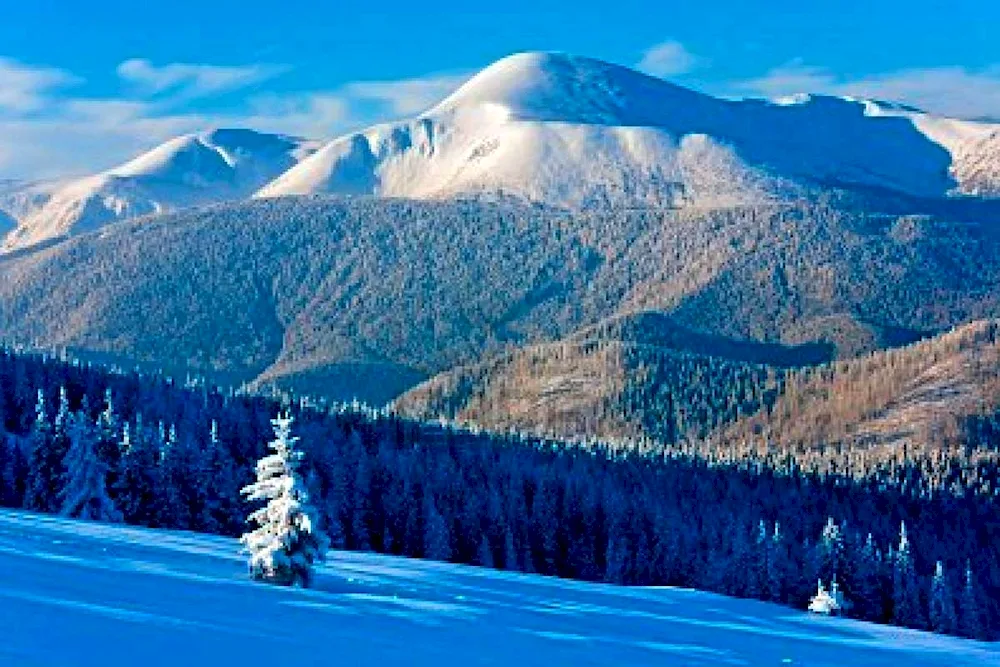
(176, 457)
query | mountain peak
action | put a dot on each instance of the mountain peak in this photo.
(576, 131)
(555, 86)
(213, 165)
(209, 154)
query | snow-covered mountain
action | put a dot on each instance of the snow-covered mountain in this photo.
(560, 129)
(577, 131)
(212, 166)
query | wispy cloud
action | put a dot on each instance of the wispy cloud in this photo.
(408, 96)
(24, 88)
(193, 80)
(952, 91)
(949, 91)
(52, 132)
(82, 140)
(50, 128)
(316, 115)
(669, 58)
(788, 79)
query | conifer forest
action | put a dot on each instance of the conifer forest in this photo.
(90, 442)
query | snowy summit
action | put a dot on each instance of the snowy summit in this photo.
(577, 131)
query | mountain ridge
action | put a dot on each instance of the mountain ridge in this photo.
(535, 124)
(552, 128)
(363, 297)
(203, 167)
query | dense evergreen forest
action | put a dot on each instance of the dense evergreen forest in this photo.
(89, 442)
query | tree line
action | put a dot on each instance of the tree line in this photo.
(85, 441)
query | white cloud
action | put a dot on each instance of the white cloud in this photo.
(949, 91)
(81, 143)
(190, 80)
(788, 79)
(24, 88)
(49, 129)
(408, 96)
(952, 91)
(48, 136)
(313, 115)
(668, 58)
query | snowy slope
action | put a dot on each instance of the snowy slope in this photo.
(212, 166)
(19, 199)
(81, 594)
(577, 131)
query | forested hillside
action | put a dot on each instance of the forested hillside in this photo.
(366, 297)
(650, 385)
(930, 401)
(164, 455)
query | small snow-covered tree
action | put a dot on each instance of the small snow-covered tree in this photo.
(831, 549)
(39, 493)
(905, 591)
(823, 602)
(286, 543)
(85, 495)
(109, 429)
(942, 605)
(970, 619)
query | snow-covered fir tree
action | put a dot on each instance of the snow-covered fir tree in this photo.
(823, 602)
(109, 428)
(905, 590)
(85, 495)
(831, 549)
(39, 487)
(970, 619)
(942, 604)
(286, 543)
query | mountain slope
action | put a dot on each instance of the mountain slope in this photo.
(212, 166)
(939, 393)
(366, 297)
(579, 132)
(906, 402)
(79, 583)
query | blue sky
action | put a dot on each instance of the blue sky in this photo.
(85, 85)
